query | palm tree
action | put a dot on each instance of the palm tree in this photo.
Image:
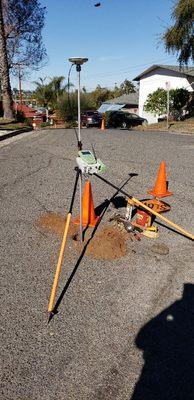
(56, 85)
(50, 93)
(57, 88)
(43, 92)
(4, 71)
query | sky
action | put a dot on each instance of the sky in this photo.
(120, 39)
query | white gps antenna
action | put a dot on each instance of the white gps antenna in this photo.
(78, 60)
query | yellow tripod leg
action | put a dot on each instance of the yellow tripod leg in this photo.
(59, 265)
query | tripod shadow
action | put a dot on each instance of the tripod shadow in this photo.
(117, 202)
(167, 342)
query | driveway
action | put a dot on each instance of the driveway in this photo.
(125, 327)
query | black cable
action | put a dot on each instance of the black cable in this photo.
(69, 101)
(74, 190)
(114, 186)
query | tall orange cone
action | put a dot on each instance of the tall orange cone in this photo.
(88, 214)
(161, 188)
(103, 125)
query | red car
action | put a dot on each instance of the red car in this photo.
(91, 118)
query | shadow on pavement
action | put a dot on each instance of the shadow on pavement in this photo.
(167, 342)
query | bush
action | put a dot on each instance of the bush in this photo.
(19, 116)
(44, 124)
(67, 106)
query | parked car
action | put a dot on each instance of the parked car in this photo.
(91, 118)
(121, 119)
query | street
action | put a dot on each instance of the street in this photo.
(120, 332)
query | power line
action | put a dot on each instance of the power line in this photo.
(126, 70)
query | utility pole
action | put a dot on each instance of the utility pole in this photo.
(20, 85)
(168, 104)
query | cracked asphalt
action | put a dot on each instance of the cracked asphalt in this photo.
(124, 329)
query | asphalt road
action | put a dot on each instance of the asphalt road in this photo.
(125, 328)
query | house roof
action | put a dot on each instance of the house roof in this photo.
(131, 98)
(187, 71)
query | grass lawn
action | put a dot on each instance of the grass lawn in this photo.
(12, 125)
(178, 126)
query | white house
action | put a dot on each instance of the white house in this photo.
(162, 76)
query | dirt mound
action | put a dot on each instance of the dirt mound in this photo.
(55, 223)
(108, 244)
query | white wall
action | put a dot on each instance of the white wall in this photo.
(157, 79)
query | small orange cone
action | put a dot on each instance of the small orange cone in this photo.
(160, 189)
(103, 125)
(88, 214)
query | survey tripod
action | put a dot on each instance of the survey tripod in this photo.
(86, 163)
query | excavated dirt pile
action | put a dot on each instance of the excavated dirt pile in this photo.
(54, 223)
(108, 243)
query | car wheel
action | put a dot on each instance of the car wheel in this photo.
(87, 125)
(145, 123)
(124, 125)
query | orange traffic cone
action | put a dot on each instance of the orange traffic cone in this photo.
(103, 125)
(88, 214)
(161, 187)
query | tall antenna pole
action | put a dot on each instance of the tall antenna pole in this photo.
(78, 69)
(78, 61)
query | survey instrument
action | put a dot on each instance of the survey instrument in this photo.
(139, 203)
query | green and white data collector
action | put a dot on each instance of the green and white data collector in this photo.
(88, 163)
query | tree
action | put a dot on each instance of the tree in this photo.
(4, 71)
(24, 21)
(157, 101)
(179, 98)
(100, 95)
(179, 38)
(127, 87)
(67, 106)
(56, 86)
(43, 92)
(116, 92)
(21, 23)
(49, 94)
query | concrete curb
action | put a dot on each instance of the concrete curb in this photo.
(10, 134)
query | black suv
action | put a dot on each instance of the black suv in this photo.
(91, 118)
(121, 119)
